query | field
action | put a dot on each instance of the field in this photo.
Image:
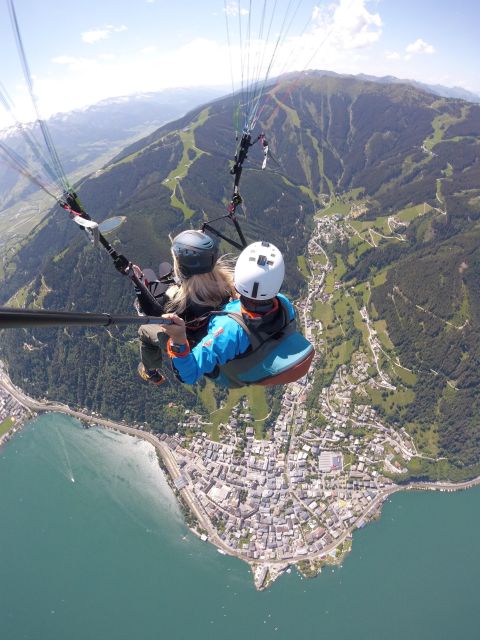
(6, 425)
(302, 265)
(174, 178)
(255, 404)
(344, 330)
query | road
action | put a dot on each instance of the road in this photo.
(190, 498)
(167, 456)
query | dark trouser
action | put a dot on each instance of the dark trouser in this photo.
(152, 344)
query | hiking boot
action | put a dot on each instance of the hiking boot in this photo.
(153, 376)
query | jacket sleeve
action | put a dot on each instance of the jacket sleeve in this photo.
(225, 340)
(290, 307)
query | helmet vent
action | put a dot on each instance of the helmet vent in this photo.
(259, 271)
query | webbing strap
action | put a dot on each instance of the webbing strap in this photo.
(253, 336)
(259, 337)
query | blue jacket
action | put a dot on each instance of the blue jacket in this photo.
(225, 340)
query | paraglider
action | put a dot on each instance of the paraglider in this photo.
(254, 339)
(151, 291)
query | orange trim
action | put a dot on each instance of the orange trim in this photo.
(290, 375)
(172, 354)
(253, 315)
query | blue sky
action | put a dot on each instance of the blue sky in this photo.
(82, 52)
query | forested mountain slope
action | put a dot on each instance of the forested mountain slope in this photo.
(399, 167)
(85, 139)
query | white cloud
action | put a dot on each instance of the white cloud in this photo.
(201, 62)
(233, 9)
(63, 59)
(419, 47)
(339, 38)
(348, 24)
(343, 37)
(95, 35)
(392, 55)
(75, 64)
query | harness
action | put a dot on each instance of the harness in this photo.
(196, 316)
(278, 352)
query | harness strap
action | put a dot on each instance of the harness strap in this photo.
(253, 336)
(258, 337)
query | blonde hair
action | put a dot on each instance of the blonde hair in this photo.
(205, 289)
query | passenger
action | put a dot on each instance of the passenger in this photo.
(254, 340)
(205, 284)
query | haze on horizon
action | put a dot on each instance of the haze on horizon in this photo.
(123, 47)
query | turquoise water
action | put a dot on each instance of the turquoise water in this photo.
(107, 557)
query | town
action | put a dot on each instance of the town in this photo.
(296, 496)
(12, 414)
(322, 469)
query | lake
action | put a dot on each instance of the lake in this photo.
(93, 546)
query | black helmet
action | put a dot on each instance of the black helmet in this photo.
(195, 251)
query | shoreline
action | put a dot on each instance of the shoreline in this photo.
(16, 427)
(264, 572)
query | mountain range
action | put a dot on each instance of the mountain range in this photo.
(438, 89)
(85, 140)
(402, 164)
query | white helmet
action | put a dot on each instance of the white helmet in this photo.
(259, 271)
